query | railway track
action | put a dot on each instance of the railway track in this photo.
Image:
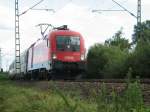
(143, 81)
(88, 87)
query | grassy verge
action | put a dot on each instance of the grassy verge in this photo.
(18, 99)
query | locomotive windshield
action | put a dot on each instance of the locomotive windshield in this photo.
(68, 43)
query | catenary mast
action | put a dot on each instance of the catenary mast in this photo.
(17, 39)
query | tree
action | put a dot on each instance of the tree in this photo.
(96, 60)
(140, 60)
(144, 32)
(118, 40)
(106, 62)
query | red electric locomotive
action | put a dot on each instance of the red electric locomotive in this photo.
(59, 54)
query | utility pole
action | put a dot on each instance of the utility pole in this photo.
(17, 34)
(139, 19)
(139, 12)
(17, 39)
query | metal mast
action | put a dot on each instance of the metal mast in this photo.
(17, 39)
(139, 19)
(17, 34)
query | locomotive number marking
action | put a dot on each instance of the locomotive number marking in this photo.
(69, 57)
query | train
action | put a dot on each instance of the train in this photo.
(59, 54)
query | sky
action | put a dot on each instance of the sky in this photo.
(77, 14)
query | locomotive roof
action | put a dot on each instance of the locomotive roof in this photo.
(62, 32)
(57, 32)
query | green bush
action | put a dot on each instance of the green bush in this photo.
(106, 62)
(96, 60)
(130, 101)
(140, 60)
(3, 76)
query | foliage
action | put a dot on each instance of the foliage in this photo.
(133, 97)
(96, 60)
(106, 62)
(144, 32)
(129, 76)
(102, 99)
(114, 58)
(116, 66)
(130, 101)
(118, 40)
(140, 61)
(3, 76)
(70, 107)
(18, 99)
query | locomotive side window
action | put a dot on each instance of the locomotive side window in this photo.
(68, 43)
(48, 43)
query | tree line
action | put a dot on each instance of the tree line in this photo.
(117, 55)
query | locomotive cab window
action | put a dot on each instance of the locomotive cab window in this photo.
(68, 43)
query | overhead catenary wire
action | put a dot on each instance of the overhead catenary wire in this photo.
(46, 10)
(31, 7)
(124, 8)
(106, 10)
(115, 4)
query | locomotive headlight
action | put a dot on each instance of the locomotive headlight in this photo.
(54, 56)
(82, 57)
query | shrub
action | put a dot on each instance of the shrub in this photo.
(140, 61)
(130, 101)
(106, 62)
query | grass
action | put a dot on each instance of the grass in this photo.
(14, 99)
(130, 101)
(18, 99)
(3, 76)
